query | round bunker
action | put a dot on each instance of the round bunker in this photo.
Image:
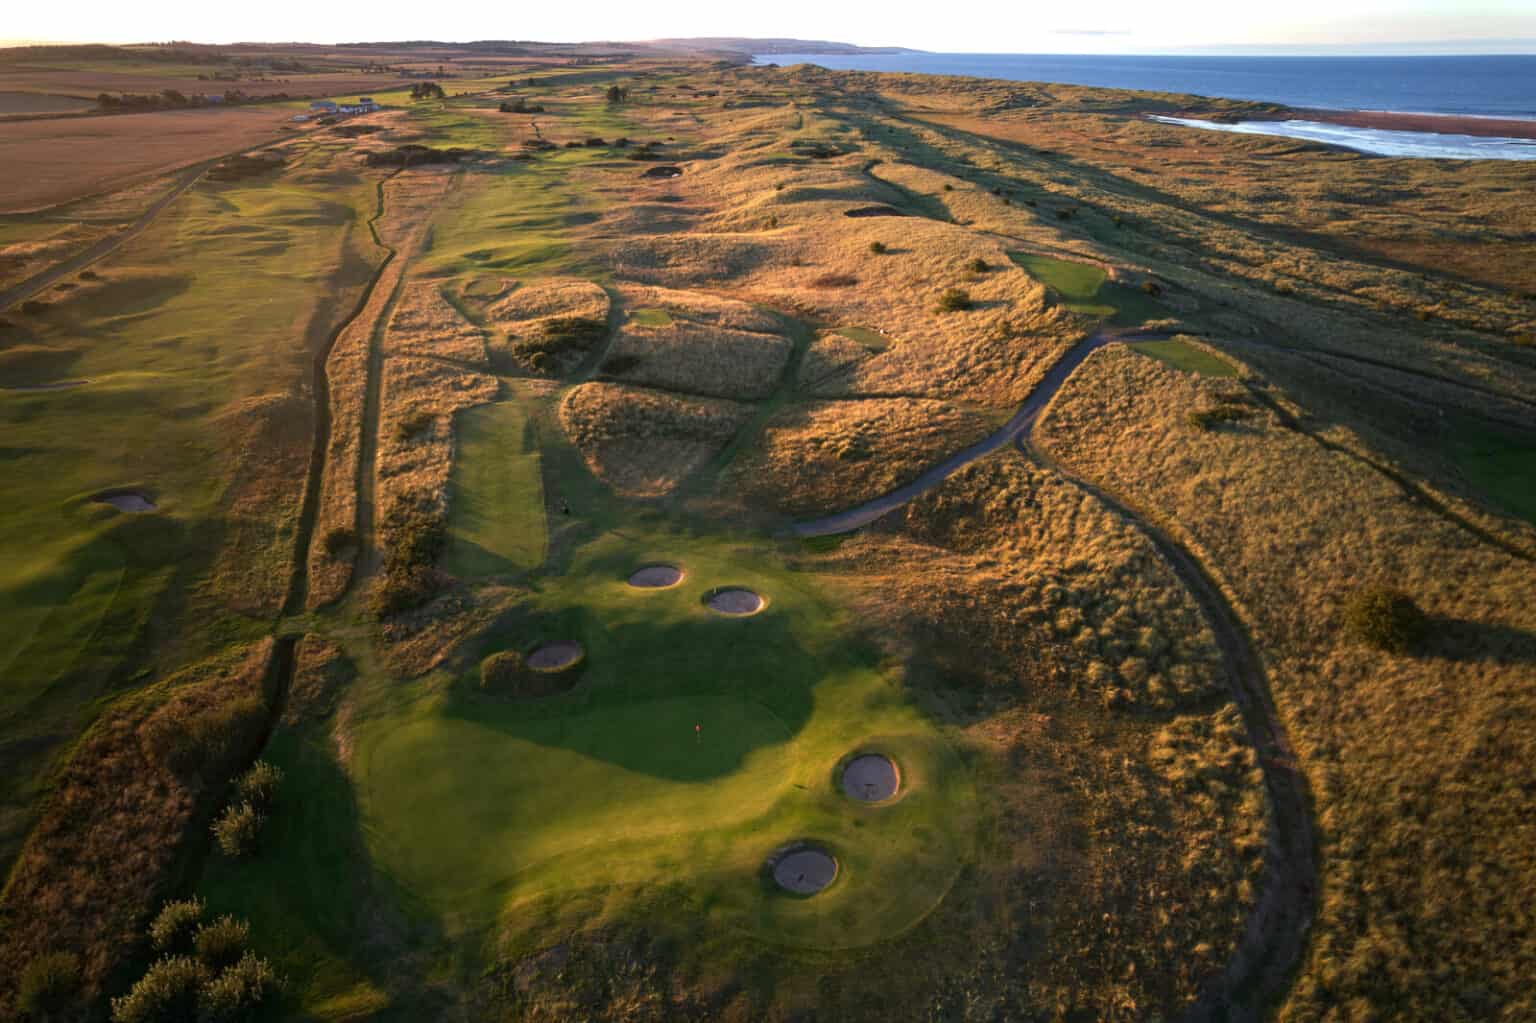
(804, 869)
(656, 577)
(126, 500)
(556, 656)
(734, 602)
(871, 778)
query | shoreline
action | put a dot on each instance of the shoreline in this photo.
(1438, 124)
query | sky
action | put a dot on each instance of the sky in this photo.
(981, 26)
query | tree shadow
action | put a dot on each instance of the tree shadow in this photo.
(1466, 641)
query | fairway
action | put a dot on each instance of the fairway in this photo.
(1185, 356)
(1086, 289)
(497, 525)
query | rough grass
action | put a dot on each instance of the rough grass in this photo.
(641, 442)
(825, 456)
(1408, 772)
(424, 323)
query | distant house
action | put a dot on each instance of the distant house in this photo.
(364, 105)
(301, 117)
(323, 105)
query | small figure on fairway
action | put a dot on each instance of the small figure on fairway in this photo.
(565, 507)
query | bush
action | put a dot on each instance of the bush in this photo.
(405, 589)
(190, 741)
(339, 541)
(415, 532)
(1384, 618)
(878, 248)
(414, 424)
(955, 300)
(167, 993)
(1210, 418)
(173, 926)
(834, 281)
(235, 995)
(221, 943)
(502, 672)
(237, 828)
(978, 266)
(258, 786)
(49, 984)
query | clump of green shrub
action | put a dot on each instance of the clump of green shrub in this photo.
(955, 300)
(237, 993)
(878, 248)
(1384, 618)
(258, 786)
(415, 424)
(167, 992)
(1216, 415)
(173, 927)
(237, 828)
(978, 266)
(502, 672)
(49, 985)
(222, 942)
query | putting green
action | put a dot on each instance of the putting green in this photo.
(1185, 356)
(490, 809)
(1087, 289)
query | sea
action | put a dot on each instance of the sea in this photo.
(1468, 86)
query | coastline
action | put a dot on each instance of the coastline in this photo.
(1437, 124)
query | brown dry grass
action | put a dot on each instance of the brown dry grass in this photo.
(696, 359)
(546, 326)
(1410, 757)
(641, 442)
(55, 160)
(424, 323)
(321, 672)
(825, 456)
(409, 199)
(116, 826)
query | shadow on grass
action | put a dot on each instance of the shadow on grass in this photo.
(749, 679)
(1462, 640)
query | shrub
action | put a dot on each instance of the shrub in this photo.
(834, 281)
(948, 187)
(978, 266)
(167, 993)
(258, 786)
(48, 984)
(502, 672)
(1384, 618)
(955, 300)
(222, 942)
(414, 424)
(339, 541)
(173, 926)
(405, 589)
(415, 532)
(237, 993)
(190, 740)
(1152, 288)
(1209, 418)
(878, 248)
(237, 828)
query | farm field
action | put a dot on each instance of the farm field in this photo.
(754, 544)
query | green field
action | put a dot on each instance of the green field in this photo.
(179, 326)
(496, 494)
(651, 317)
(1086, 289)
(1185, 356)
(871, 339)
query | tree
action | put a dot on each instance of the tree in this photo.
(427, 90)
(617, 94)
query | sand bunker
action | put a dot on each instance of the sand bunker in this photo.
(874, 211)
(656, 577)
(804, 869)
(871, 778)
(735, 601)
(126, 500)
(665, 171)
(555, 656)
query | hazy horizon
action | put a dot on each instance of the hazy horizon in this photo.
(1193, 27)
